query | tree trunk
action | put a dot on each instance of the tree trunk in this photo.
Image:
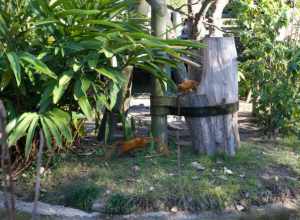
(217, 18)
(159, 14)
(6, 179)
(219, 86)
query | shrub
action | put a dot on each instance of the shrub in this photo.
(268, 64)
(119, 204)
(81, 195)
(56, 63)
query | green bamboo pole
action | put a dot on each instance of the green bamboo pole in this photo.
(159, 14)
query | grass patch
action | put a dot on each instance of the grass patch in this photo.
(119, 204)
(81, 195)
(261, 173)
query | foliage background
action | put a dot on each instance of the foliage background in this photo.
(69, 58)
(270, 67)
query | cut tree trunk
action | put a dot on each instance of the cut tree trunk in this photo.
(219, 86)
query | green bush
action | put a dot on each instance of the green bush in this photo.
(119, 204)
(270, 67)
(81, 195)
(56, 63)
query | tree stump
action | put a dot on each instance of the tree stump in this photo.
(219, 86)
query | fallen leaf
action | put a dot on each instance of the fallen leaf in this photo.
(227, 171)
(240, 208)
(198, 166)
(174, 209)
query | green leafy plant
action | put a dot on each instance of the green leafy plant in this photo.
(119, 204)
(267, 64)
(81, 195)
(60, 59)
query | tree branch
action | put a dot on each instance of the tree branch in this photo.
(8, 184)
(177, 10)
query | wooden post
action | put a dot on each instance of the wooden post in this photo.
(219, 83)
(159, 13)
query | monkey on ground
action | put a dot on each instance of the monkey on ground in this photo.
(124, 147)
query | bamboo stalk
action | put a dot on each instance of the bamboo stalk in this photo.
(159, 28)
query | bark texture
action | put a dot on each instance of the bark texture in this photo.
(219, 85)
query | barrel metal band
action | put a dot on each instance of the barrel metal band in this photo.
(207, 111)
(171, 108)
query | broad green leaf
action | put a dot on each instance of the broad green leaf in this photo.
(21, 128)
(30, 135)
(37, 64)
(113, 95)
(54, 131)
(46, 97)
(14, 122)
(62, 86)
(44, 7)
(107, 23)
(107, 53)
(62, 120)
(91, 44)
(15, 65)
(85, 106)
(3, 26)
(61, 114)
(102, 99)
(81, 87)
(77, 120)
(5, 80)
(79, 12)
(115, 76)
(46, 131)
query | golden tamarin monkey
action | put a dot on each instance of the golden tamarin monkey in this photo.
(188, 86)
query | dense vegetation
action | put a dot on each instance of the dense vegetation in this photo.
(62, 61)
(270, 66)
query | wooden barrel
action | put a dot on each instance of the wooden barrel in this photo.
(211, 111)
(219, 84)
